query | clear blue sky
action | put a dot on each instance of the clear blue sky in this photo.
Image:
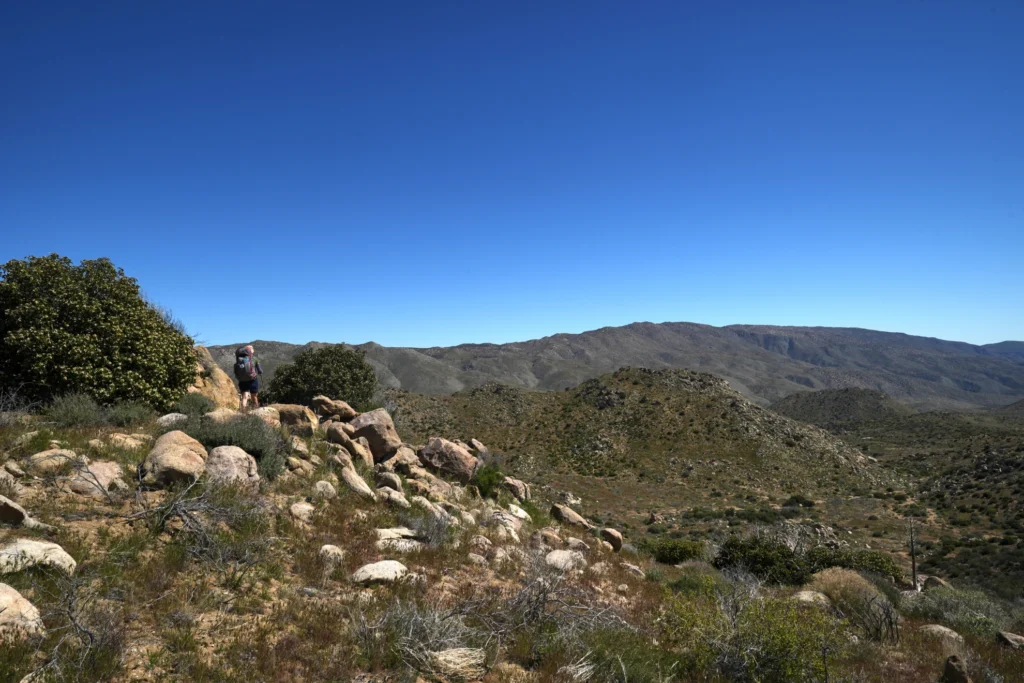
(430, 173)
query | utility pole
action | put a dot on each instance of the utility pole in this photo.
(913, 554)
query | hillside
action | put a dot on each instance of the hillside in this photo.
(764, 363)
(834, 409)
(1016, 408)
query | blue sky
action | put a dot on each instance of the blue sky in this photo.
(431, 173)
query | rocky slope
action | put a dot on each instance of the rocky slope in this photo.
(836, 409)
(765, 363)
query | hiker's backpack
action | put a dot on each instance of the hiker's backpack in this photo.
(245, 365)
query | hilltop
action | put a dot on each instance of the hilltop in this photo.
(834, 409)
(763, 362)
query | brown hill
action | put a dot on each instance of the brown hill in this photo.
(837, 409)
(765, 363)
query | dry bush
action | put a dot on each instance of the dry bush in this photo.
(859, 601)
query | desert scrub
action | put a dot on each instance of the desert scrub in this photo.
(671, 550)
(128, 414)
(859, 601)
(820, 558)
(965, 611)
(194, 404)
(76, 409)
(768, 559)
(268, 446)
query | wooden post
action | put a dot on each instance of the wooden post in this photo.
(913, 554)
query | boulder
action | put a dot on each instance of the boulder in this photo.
(300, 420)
(50, 461)
(477, 447)
(812, 598)
(299, 447)
(337, 435)
(393, 498)
(404, 458)
(943, 632)
(324, 490)
(303, 512)
(519, 489)
(11, 512)
(389, 480)
(379, 431)
(98, 479)
(26, 553)
(565, 560)
(328, 407)
(399, 545)
(955, 671)
(519, 513)
(633, 569)
(171, 419)
(613, 538)
(302, 468)
(230, 464)
(222, 415)
(394, 533)
(505, 519)
(212, 382)
(1011, 640)
(14, 470)
(577, 544)
(566, 515)
(479, 560)
(175, 457)
(18, 617)
(450, 459)
(357, 484)
(331, 555)
(269, 415)
(435, 511)
(385, 571)
(545, 538)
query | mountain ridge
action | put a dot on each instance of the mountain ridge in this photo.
(764, 362)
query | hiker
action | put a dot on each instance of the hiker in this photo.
(248, 373)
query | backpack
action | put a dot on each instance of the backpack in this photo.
(245, 365)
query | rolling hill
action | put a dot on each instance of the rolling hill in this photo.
(763, 362)
(836, 409)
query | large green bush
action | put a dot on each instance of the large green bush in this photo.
(671, 550)
(86, 328)
(766, 558)
(333, 371)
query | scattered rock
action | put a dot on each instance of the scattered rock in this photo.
(385, 571)
(566, 515)
(300, 467)
(813, 598)
(404, 458)
(337, 435)
(1011, 640)
(14, 470)
(18, 617)
(545, 538)
(938, 631)
(324, 490)
(300, 420)
(356, 483)
(175, 457)
(171, 419)
(331, 408)
(577, 544)
(633, 569)
(98, 479)
(449, 458)
(379, 431)
(519, 512)
(230, 464)
(613, 538)
(477, 446)
(955, 671)
(393, 498)
(303, 512)
(565, 560)
(331, 555)
(51, 460)
(389, 480)
(519, 489)
(655, 518)
(26, 553)
(299, 447)
(399, 545)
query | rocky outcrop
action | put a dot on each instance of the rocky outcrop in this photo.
(333, 409)
(18, 617)
(300, 420)
(269, 415)
(232, 465)
(175, 457)
(519, 489)
(379, 431)
(566, 515)
(212, 382)
(613, 538)
(26, 553)
(357, 484)
(449, 458)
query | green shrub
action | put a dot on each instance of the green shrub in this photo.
(268, 446)
(75, 410)
(769, 560)
(671, 550)
(820, 558)
(488, 478)
(128, 413)
(87, 328)
(798, 500)
(194, 404)
(965, 611)
(333, 371)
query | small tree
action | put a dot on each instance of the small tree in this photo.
(333, 371)
(86, 328)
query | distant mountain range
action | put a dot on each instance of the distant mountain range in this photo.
(766, 363)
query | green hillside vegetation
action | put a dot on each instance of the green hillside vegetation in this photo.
(835, 409)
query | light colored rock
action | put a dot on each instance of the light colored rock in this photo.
(300, 467)
(577, 544)
(269, 415)
(599, 568)
(303, 512)
(814, 598)
(300, 420)
(26, 553)
(23, 439)
(11, 512)
(506, 534)
(434, 510)
(171, 419)
(324, 490)
(1011, 640)
(546, 538)
(336, 434)
(18, 617)
(399, 545)
(566, 515)
(51, 460)
(633, 569)
(328, 407)
(331, 555)
(565, 560)
(96, 444)
(505, 519)
(388, 480)
(613, 537)
(518, 488)
(606, 546)
(939, 631)
(394, 533)
(450, 459)
(385, 571)
(379, 431)
(393, 498)
(481, 544)
(222, 415)
(175, 457)
(466, 518)
(14, 470)
(97, 479)
(299, 448)
(353, 481)
(212, 382)
(232, 465)
(404, 457)
(479, 560)
(477, 446)
(519, 513)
